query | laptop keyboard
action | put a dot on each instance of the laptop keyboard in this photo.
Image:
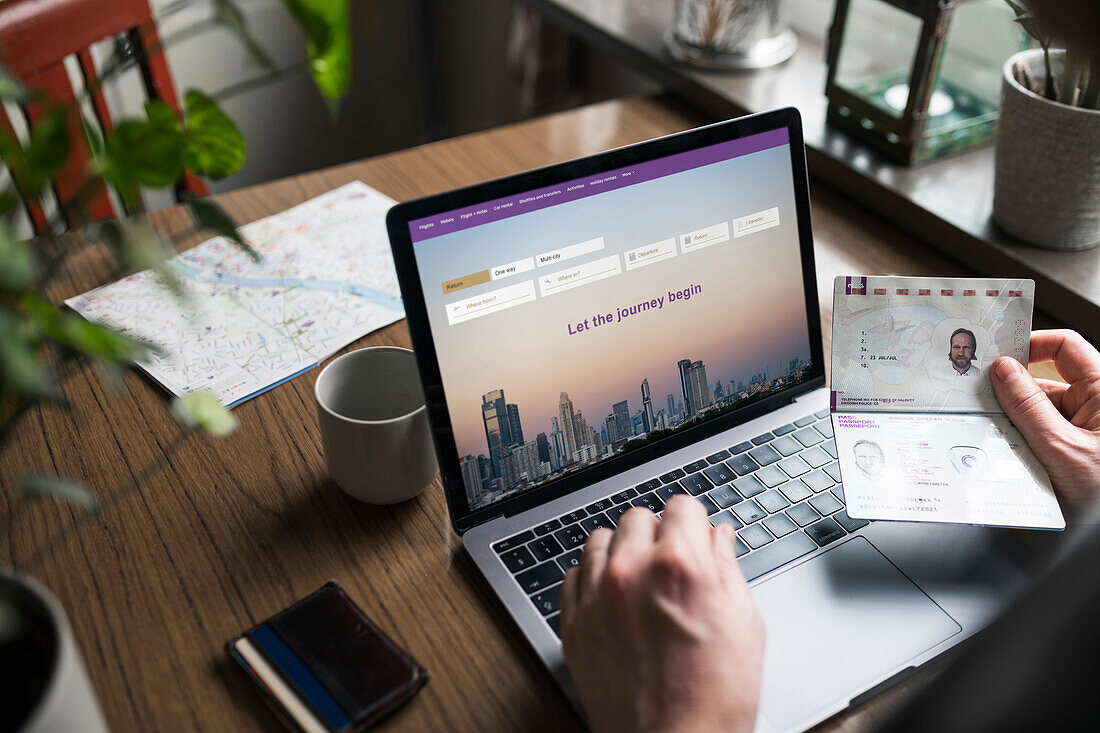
(781, 491)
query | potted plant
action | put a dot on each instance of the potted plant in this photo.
(1047, 185)
(43, 683)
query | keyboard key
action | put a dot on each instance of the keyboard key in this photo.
(719, 474)
(838, 491)
(755, 536)
(829, 446)
(784, 429)
(650, 485)
(696, 484)
(804, 421)
(726, 518)
(518, 559)
(555, 624)
(818, 481)
(749, 512)
(624, 495)
(825, 504)
(742, 465)
(547, 527)
(848, 523)
(803, 514)
(825, 427)
(599, 506)
(822, 413)
(709, 505)
(825, 531)
(795, 491)
(786, 445)
(772, 501)
(573, 517)
(696, 466)
(596, 521)
(808, 436)
(718, 457)
(740, 447)
(778, 553)
(771, 476)
(816, 457)
(833, 469)
(794, 466)
(779, 525)
(545, 548)
(725, 496)
(571, 537)
(570, 560)
(739, 548)
(749, 486)
(672, 475)
(545, 575)
(764, 455)
(547, 601)
(762, 439)
(650, 501)
(513, 542)
(668, 491)
(615, 513)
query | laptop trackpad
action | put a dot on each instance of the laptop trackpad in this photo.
(838, 624)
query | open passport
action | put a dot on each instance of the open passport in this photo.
(919, 432)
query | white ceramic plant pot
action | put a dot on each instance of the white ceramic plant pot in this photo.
(1047, 186)
(66, 701)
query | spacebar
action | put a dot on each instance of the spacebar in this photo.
(771, 556)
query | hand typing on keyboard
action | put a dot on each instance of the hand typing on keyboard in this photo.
(658, 627)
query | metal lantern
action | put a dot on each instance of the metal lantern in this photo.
(917, 79)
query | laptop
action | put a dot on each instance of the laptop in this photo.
(611, 331)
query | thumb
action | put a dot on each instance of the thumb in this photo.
(1027, 405)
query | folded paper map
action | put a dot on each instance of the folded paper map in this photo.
(919, 432)
(326, 278)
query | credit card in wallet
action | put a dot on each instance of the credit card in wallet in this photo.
(324, 666)
(919, 433)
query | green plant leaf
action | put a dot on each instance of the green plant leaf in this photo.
(41, 486)
(329, 44)
(16, 262)
(229, 15)
(11, 89)
(20, 372)
(145, 152)
(200, 411)
(209, 216)
(94, 341)
(137, 247)
(213, 146)
(46, 151)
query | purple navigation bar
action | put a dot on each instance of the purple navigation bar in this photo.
(528, 201)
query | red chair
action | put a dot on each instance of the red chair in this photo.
(35, 38)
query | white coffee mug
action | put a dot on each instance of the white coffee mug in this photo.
(374, 425)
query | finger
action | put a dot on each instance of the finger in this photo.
(725, 555)
(593, 561)
(1055, 391)
(1027, 405)
(685, 520)
(569, 592)
(635, 533)
(1073, 356)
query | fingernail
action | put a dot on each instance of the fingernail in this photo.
(1007, 367)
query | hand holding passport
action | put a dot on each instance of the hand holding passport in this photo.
(919, 432)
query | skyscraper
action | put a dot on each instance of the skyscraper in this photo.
(718, 393)
(565, 412)
(498, 433)
(544, 447)
(700, 389)
(514, 425)
(610, 427)
(623, 426)
(471, 478)
(647, 407)
(671, 405)
(683, 367)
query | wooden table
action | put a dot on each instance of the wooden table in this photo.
(235, 529)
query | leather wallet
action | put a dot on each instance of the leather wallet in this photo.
(324, 665)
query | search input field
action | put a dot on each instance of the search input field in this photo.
(574, 277)
(650, 253)
(757, 222)
(573, 250)
(701, 238)
(494, 301)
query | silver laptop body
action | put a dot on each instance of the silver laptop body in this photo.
(850, 607)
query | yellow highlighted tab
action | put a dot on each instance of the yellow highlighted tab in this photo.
(466, 281)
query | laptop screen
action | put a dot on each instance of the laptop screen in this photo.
(577, 322)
